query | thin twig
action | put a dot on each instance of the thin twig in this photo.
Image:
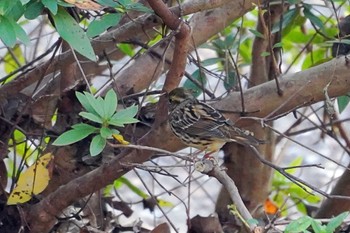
(139, 147)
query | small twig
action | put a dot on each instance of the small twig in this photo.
(159, 207)
(303, 166)
(80, 68)
(239, 82)
(23, 68)
(306, 147)
(211, 169)
(295, 179)
(290, 177)
(139, 147)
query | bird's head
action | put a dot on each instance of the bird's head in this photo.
(180, 94)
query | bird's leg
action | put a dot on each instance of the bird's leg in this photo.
(194, 155)
(207, 155)
(214, 159)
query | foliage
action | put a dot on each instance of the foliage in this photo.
(302, 224)
(104, 113)
(283, 189)
(117, 184)
(200, 79)
(67, 27)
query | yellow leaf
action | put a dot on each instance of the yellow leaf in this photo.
(32, 181)
(120, 139)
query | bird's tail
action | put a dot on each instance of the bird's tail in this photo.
(246, 137)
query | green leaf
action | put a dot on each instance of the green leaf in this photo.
(313, 58)
(51, 5)
(91, 116)
(278, 45)
(74, 135)
(85, 127)
(313, 18)
(110, 3)
(202, 81)
(117, 184)
(164, 203)
(296, 162)
(24, 2)
(33, 9)
(127, 49)
(343, 101)
(100, 103)
(300, 205)
(15, 11)
(301, 194)
(7, 32)
(10, 64)
(20, 33)
(7, 5)
(98, 26)
(212, 61)
(256, 33)
(84, 101)
(287, 19)
(110, 103)
(70, 31)
(265, 54)
(252, 221)
(336, 221)
(97, 145)
(115, 131)
(133, 188)
(230, 80)
(124, 116)
(317, 226)
(106, 132)
(138, 7)
(298, 225)
(96, 104)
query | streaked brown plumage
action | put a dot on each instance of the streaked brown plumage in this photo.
(201, 126)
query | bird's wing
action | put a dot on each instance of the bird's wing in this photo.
(206, 122)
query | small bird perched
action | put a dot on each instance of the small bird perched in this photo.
(199, 125)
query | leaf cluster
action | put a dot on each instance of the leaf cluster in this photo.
(283, 188)
(67, 27)
(303, 224)
(103, 112)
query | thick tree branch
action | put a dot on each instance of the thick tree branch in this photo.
(300, 89)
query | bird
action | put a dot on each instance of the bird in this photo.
(201, 126)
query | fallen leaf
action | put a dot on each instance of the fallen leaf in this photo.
(32, 181)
